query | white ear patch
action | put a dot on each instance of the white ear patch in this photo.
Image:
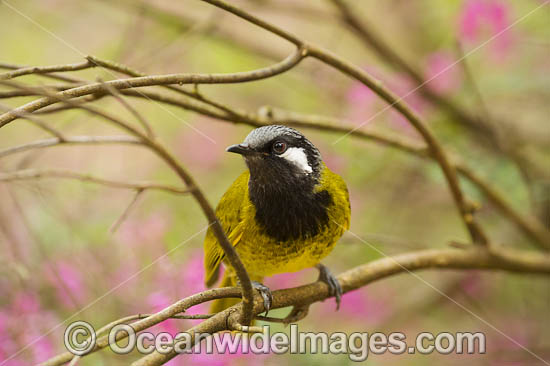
(298, 157)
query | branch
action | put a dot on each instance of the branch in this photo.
(73, 140)
(31, 174)
(69, 79)
(530, 226)
(126, 212)
(27, 93)
(387, 54)
(474, 258)
(142, 81)
(478, 126)
(45, 69)
(126, 70)
(146, 126)
(476, 233)
(186, 177)
(172, 310)
(36, 121)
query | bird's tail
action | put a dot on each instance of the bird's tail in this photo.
(218, 305)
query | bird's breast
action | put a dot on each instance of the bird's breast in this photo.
(290, 214)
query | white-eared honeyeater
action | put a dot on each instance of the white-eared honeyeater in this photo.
(284, 214)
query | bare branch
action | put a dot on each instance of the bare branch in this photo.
(31, 174)
(387, 54)
(45, 69)
(531, 227)
(73, 140)
(36, 121)
(133, 203)
(66, 78)
(172, 310)
(27, 93)
(436, 150)
(146, 126)
(473, 258)
(186, 177)
(142, 81)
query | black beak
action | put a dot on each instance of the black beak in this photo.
(240, 149)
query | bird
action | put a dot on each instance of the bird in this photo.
(284, 213)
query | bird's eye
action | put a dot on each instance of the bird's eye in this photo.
(279, 147)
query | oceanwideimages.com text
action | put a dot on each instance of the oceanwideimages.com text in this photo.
(80, 338)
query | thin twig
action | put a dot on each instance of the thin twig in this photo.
(531, 227)
(32, 174)
(214, 224)
(27, 93)
(72, 140)
(131, 205)
(45, 69)
(137, 82)
(472, 258)
(154, 319)
(59, 77)
(116, 94)
(436, 150)
(36, 121)
(390, 56)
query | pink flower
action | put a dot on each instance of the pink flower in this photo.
(7, 345)
(482, 19)
(191, 279)
(228, 359)
(205, 359)
(332, 158)
(42, 347)
(26, 303)
(521, 330)
(361, 101)
(358, 303)
(135, 231)
(286, 280)
(68, 283)
(474, 285)
(205, 149)
(407, 91)
(442, 75)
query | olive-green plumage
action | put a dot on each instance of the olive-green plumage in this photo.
(263, 254)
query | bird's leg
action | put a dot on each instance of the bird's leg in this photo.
(333, 285)
(297, 313)
(266, 295)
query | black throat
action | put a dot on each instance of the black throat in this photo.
(287, 207)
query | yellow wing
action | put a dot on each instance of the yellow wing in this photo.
(336, 186)
(229, 212)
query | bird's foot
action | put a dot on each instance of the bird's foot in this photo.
(333, 285)
(297, 313)
(267, 296)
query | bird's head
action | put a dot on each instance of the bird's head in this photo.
(276, 152)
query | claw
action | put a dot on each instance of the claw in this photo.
(298, 312)
(333, 285)
(267, 296)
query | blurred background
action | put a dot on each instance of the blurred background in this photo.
(59, 251)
